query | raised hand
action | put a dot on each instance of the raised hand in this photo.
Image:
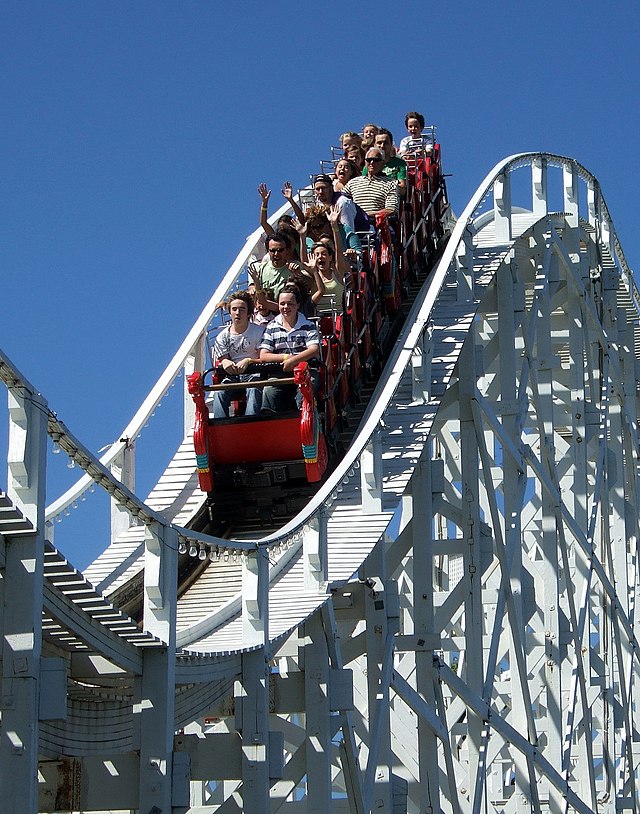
(333, 214)
(287, 190)
(264, 193)
(254, 274)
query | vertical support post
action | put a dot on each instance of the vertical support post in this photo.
(421, 368)
(379, 653)
(123, 468)
(606, 234)
(371, 475)
(592, 202)
(252, 716)
(22, 606)
(155, 703)
(348, 748)
(575, 486)
(423, 624)
(314, 546)
(570, 189)
(318, 718)
(550, 567)
(252, 691)
(511, 314)
(502, 207)
(464, 266)
(255, 597)
(196, 360)
(471, 533)
(539, 177)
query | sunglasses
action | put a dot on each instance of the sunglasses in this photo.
(372, 160)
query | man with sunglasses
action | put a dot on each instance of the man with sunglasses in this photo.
(278, 266)
(374, 192)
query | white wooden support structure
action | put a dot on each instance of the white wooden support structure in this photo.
(124, 470)
(570, 194)
(255, 598)
(464, 265)
(421, 368)
(452, 632)
(21, 611)
(371, 474)
(315, 552)
(470, 527)
(318, 718)
(154, 705)
(592, 202)
(502, 207)
(539, 184)
(252, 721)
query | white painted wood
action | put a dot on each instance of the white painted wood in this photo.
(535, 426)
(21, 610)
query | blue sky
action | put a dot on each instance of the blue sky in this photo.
(135, 134)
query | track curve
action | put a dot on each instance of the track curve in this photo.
(476, 537)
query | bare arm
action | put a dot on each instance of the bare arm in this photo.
(310, 353)
(320, 289)
(342, 264)
(265, 194)
(301, 229)
(235, 368)
(287, 191)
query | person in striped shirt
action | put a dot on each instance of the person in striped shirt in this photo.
(374, 192)
(290, 339)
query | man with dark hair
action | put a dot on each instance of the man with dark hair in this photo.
(394, 167)
(374, 192)
(276, 269)
(234, 349)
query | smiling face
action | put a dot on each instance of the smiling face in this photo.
(369, 131)
(278, 253)
(413, 126)
(288, 307)
(348, 140)
(374, 161)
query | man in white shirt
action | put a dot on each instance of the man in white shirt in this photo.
(235, 348)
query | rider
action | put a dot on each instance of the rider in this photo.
(235, 348)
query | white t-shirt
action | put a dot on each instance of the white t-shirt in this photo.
(409, 144)
(238, 346)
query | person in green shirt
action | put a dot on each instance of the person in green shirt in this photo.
(394, 167)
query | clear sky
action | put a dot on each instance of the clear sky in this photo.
(134, 135)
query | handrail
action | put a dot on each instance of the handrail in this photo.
(419, 314)
(172, 370)
(96, 470)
